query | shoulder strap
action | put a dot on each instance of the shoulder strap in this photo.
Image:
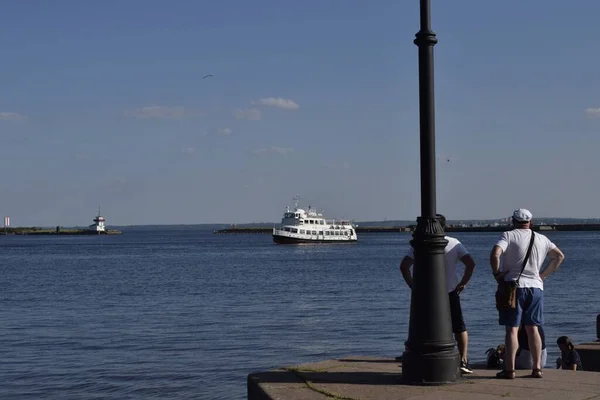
(527, 255)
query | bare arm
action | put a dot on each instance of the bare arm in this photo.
(556, 258)
(495, 263)
(405, 265)
(469, 268)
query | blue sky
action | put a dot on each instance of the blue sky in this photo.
(103, 104)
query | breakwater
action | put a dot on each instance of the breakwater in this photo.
(411, 228)
(263, 230)
(56, 231)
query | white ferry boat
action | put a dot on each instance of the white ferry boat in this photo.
(300, 226)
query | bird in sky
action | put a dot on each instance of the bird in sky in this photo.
(446, 158)
(207, 76)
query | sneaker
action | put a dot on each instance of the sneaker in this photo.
(464, 368)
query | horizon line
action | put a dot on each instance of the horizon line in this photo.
(383, 221)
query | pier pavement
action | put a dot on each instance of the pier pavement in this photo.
(374, 378)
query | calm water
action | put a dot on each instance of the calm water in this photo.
(187, 314)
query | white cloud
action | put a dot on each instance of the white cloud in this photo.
(156, 112)
(336, 166)
(188, 150)
(273, 150)
(11, 116)
(253, 114)
(593, 112)
(225, 131)
(278, 102)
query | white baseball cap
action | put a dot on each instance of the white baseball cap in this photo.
(522, 215)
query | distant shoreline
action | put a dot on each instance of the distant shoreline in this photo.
(411, 228)
(550, 224)
(381, 223)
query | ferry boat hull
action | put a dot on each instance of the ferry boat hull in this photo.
(279, 239)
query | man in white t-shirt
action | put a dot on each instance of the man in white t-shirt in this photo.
(513, 246)
(454, 252)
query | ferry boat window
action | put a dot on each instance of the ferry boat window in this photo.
(337, 233)
(302, 231)
(294, 230)
(326, 233)
(322, 222)
(321, 233)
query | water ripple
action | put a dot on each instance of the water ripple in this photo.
(188, 314)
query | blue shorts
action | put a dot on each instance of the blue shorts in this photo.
(530, 309)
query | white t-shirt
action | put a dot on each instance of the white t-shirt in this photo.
(514, 245)
(454, 252)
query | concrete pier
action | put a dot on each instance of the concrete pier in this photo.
(374, 378)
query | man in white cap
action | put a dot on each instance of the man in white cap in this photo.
(515, 246)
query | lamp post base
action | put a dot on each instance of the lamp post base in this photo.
(430, 369)
(431, 357)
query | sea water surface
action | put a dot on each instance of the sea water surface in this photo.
(185, 314)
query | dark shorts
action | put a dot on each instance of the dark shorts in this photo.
(530, 309)
(458, 323)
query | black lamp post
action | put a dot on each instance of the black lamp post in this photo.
(431, 357)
